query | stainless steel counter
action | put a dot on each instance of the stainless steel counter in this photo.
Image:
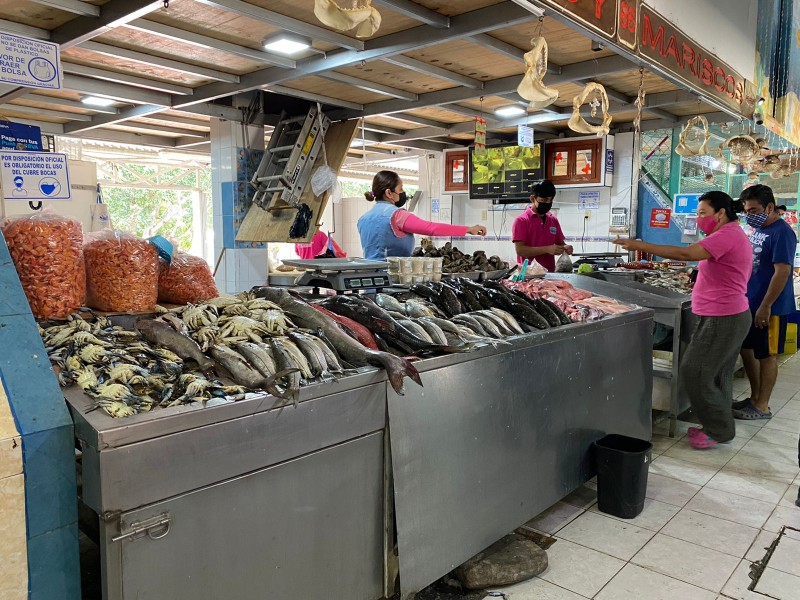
(248, 500)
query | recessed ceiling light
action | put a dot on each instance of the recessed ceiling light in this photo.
(286, 43)
(510, 111)
(97, 101)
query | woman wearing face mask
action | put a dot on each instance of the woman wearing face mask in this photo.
(387, 230)
(536, 233)
(719, 299)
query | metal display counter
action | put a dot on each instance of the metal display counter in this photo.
(248, 500)
(670, 308)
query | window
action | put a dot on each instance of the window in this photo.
(574, 162)
(455, 171)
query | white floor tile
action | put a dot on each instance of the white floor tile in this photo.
(770, 451)
(777, 584)
(583, 497)
(711, 532)
(786, 557)
(770, 469)
(716, 457)
(783, 424)
(662, 443)
(780, 438)
(749, 486)
(783, 515)
(687, 562)
(554, 518)
(611, 536)
(682, 470)
(790, 411)
(578, 569)
(636, 582)
(736, 587)
(790, 497)
(653, 517)
(745, 430)
(671, 491)
(738, 509)
(536, 589)
(758, 548)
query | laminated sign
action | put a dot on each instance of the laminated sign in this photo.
(34, 176)
(29, 63)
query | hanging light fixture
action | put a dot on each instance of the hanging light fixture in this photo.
(286, 43)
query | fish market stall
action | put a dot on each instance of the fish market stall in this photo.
(672, 309)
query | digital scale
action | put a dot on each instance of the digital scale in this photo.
(599, 260)
(342, 274)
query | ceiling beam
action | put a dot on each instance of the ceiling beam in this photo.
(179, 121)
(432, 70)
(369, 86)
(188, 142)
(470, 23)
(124, 78)
(668, 98)
(315, 32)
(499, 46)
(415, 11)
(287, 91)
(380, 128)
(113, 13)
(116, 91)
(73, 6)
(105, 120)
(651, 124)
(43, 112)
(53, 101)
(36, 33)
(127, 137)
(204, 41)
(228, 113)
(522, 102)
(409, 118)
(167, 63)
(186, 133)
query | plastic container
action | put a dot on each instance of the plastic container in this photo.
(394, 278)
(427, 265)
(406, 265)
(394, 264)
(406, 279)
(437, 264)
(418, 278)
(436, 276)
(622, 466)
(417, 265)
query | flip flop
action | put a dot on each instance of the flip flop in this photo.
(751, 413)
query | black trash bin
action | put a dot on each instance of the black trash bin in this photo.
(622, 465)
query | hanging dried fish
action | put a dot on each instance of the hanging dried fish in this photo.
(600, 100)
(531, 87)
(355, 14)
(689, 134)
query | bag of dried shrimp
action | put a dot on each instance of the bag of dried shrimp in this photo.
(121, 272)
(47, 251)
(187, 279)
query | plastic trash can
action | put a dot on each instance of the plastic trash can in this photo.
(622, 466)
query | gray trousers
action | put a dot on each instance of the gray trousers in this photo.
(707, 371)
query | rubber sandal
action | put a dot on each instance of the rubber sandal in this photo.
(740, 404)
(693, 432)
(702, 442)
(751, 413)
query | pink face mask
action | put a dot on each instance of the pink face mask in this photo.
(707, 224)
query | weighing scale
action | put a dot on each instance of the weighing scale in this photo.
(599, 260)
(342, 274)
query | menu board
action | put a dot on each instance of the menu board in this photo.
(505, 172)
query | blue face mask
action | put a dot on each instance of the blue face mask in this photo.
(756, 221)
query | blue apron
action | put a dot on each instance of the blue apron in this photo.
(377, 237)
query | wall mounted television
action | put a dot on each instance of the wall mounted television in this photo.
(506, 172)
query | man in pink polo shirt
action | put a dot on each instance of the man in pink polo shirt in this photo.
(536, 233)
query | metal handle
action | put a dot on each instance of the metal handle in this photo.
(155, 528)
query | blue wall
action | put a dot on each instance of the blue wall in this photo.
(647, 202)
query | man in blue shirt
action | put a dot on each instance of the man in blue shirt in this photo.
(771, 296)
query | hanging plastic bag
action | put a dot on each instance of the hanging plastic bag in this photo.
(101, 219)
(47, 251)
(121, 272)
(187, 279)
(324, 177)
(564, 264)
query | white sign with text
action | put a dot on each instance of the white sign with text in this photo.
(34, 175)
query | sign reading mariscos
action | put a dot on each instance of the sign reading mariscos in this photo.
(600, 15)
(665, 45)
(34, 176)
(29, 63)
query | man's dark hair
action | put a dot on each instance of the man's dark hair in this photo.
(544, 189)
(781, 207)
(762, 193)
(720, 201)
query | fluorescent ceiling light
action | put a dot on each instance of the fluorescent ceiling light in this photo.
(97, 101)
(510, 111)
(286, 43)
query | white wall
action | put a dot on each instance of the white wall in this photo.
(726, 28)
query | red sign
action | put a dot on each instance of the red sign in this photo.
(628, 23)
(667, 46)
(659, 218)
(600, 15)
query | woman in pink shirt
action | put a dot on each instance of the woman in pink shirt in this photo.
(719, 299)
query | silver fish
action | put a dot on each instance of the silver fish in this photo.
(285, 361)
(488, 325)
(469, 320)
(417, 330)
(389, 303)
(258, 357)
(509, 320)
(414, 308)
(312, 353)
(498, 321)
(434, 331)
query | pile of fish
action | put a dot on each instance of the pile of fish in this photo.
(456, 261)
(452, 316)
(670, 280)
(578, 305)
(220, 349)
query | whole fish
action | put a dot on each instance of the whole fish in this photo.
(468, 320)
(416, 309)
(348, 348)
(389, 302)
(562, 317)
(488, 325)
(162, 334)
(285, 361)
(498, 321)
(297, 356)
(509, 319)
(434, 331)
(443, 297)
(443, 324)
(258, 357)
(334, 366)
(417, 329)
(243, 372)
(313, 353)
(351, 327)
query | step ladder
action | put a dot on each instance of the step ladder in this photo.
(288, 161)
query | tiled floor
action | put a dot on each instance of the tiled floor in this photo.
(708, 515)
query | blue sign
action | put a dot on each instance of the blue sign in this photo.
(16, 136)
(610, 162)
(686, 204)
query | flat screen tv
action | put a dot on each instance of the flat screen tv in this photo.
(505, 172)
